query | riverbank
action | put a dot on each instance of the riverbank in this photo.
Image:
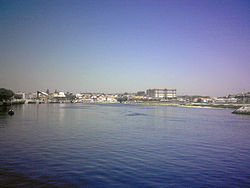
(150, 103)
(14, 102)
(193, 105)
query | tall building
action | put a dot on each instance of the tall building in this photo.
(162, 93)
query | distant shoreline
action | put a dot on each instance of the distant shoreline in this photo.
(190, 105)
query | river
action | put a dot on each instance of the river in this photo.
(118, 145)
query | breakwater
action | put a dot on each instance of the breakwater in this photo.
(242, 110)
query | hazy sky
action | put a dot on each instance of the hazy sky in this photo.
(197, 47)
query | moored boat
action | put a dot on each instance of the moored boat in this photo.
(11, 112)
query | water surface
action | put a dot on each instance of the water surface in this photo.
(116, 145)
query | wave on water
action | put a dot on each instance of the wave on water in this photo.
(137, 114)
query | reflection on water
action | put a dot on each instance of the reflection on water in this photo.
(12, 179)
(114, 145)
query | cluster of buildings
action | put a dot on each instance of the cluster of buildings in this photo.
(64, 97)
(61, 97)
(153, 94)
(241, 98)
(42, 97)
(95, 97)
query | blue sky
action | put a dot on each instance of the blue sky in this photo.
(197, 47)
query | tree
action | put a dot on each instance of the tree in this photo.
(16, 96)
(5, 94)
(122, 99)
(70, 96)
(199, 100)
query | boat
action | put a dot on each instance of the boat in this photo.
(11, 112)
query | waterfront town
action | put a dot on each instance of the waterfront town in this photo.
(154, 96)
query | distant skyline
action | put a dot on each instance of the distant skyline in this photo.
(196, 47)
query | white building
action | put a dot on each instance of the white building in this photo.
(21, 94)
(61, 94)
(162, 93)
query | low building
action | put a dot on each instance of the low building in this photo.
(226, 100)
(79, 96)
(61, 94)
(20, 95)
(31, 95)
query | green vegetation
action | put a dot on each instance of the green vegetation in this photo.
(5, 94)
(122, 99)
(70, 96)
(16, 96)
